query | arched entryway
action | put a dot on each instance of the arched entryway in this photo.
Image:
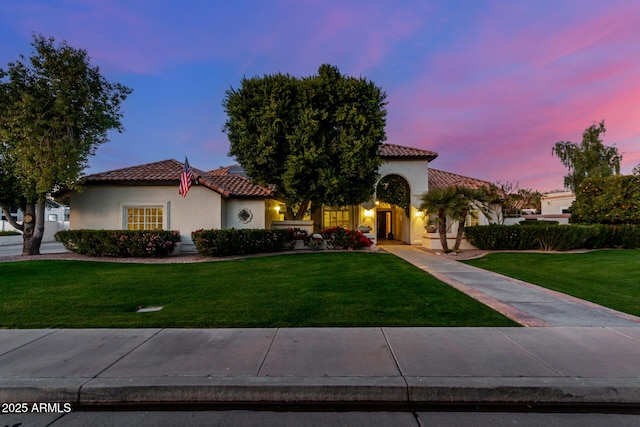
(393, 198)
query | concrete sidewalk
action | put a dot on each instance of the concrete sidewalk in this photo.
(367, 367)
(525, 303)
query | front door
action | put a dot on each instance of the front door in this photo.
(384, 225)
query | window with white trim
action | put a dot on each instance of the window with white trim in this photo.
(144, 218)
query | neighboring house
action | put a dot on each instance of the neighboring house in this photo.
(146, 196)
(56, 218)
(555, 206)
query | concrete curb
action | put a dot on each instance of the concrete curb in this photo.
(244, 390)
(36, 390)
(323, 391)
(565, 391)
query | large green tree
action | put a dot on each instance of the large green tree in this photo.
(315, 138)
(607, 200)
(589, 159)
(55, 110)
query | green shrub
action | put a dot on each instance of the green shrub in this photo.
(561, 237)
(241, 242)
(9, 233)
(554, 237)
(119, 243)
(625, 236)
(502, 237)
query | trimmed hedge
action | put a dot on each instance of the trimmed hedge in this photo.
(228, 242)
(553, 237)
(119, 243)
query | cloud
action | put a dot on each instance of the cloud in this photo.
(490, 85)
(494, 99)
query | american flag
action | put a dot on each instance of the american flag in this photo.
(185, 179)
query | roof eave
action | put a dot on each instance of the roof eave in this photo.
(428, 158)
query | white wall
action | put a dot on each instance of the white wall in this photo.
(102, 207)
(256, 207)
(554, 203)
(416, 173)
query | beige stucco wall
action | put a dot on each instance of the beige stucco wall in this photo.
(409, 229)
(102, 207)
(414, 171)
(257, 207)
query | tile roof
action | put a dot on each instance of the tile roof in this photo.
(167, 172)
(231, 180)
(229, 170)
(442, 179)
(224, 170)
(393, 151)
(234, 185)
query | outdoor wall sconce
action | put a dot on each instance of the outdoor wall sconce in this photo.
(368, 213)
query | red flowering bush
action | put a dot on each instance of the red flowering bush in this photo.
(297, 234)
(342, 238)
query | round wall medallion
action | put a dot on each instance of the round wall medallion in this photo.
(245, 216)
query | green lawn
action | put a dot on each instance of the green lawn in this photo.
(608, 278)
(300, 290)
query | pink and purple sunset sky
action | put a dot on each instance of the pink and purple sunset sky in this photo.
(489, 85)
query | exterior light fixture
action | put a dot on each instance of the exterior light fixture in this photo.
(368, 213)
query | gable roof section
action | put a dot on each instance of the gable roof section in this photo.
(234, 185)
(442, 179)
(167, 172)
(156, 172)
(393, 151)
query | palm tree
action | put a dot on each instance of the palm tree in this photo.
(440, 201)
(467, 199)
